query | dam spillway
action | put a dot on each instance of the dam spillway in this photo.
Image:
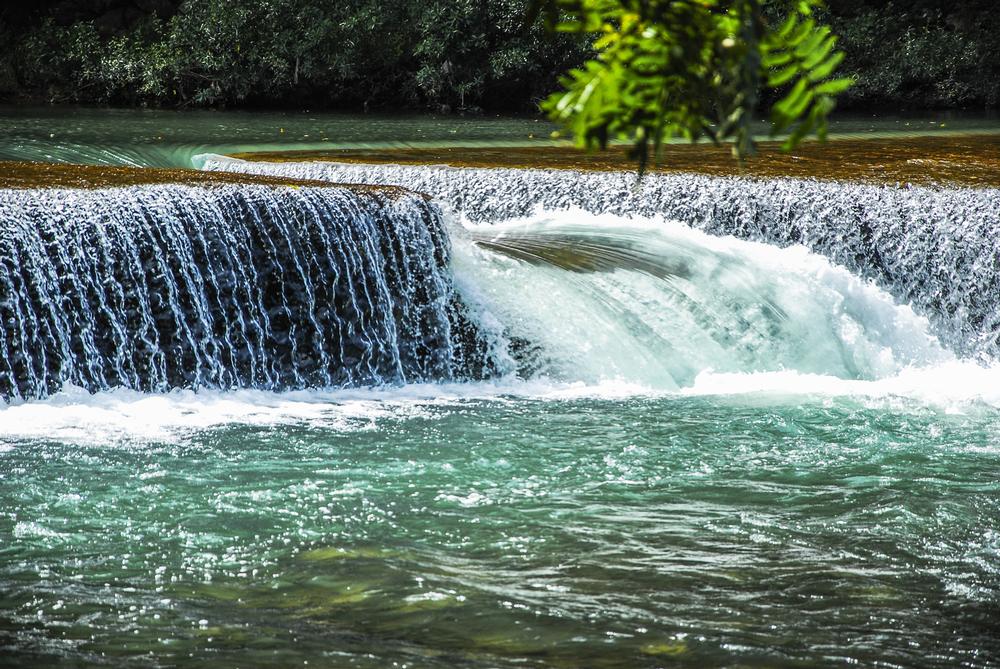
(173, 286)
(934, 248)
(584, 421)
(274, 286)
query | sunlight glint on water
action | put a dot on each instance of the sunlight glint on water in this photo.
(690, 450)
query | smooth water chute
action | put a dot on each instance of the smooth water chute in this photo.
(585, 298)
(170, 286)
(932, 248)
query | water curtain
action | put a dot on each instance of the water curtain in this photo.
(933, 248)
(169, 286)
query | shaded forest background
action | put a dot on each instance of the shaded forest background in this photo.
(442, 55)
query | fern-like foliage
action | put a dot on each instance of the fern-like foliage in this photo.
(692, 69)
(802, 56)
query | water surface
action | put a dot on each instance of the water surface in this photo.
(695, 450)
(563, 529)
(164, 138)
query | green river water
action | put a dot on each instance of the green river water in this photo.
(161, 138)
(588, 518)
(512, 532)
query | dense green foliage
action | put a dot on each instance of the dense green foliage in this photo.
(919, 53)
(693, 68)
(428, 54)
(357, 53)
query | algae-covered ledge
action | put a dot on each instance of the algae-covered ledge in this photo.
(965, 160)
(29, 175)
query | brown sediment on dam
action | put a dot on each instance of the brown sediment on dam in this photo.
(24, 175)
(959, 160)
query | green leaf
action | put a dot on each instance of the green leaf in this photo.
(783, 76)
(819, 53)
(792, 99)
(824, 70)
(795, 110)
(659, 72)
(776, 59)
(786, 28)
(834, 86)
(801, 33)
(812, 42)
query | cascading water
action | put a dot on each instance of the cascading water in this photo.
(588, 298)
(153, 288)
(934, 249)
(660, 446)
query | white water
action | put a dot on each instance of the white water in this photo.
(933, 248)
(724, 317)
(661, 304)
(171, 286)
(126, 418)
(591, 304)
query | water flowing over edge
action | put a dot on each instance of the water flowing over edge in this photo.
(792, 307)
(161, 287)
(934, 249)
(735, 317)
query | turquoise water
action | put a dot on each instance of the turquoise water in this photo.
(561, 531)
(698, 451)
(162, 138)
(785, 506)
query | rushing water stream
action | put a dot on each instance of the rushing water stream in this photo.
(542, 420)
(161, 287)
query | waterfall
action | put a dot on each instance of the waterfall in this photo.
(933, 248)
(172, 286)
(567, 276)
(587, 298)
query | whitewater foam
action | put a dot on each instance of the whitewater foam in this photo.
(127, 418)
(124, 417)
(950, 385)
(654, 302)
(933, 248)
(574, 305)
(600, 332)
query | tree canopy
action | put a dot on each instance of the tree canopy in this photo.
(410, 54)
(432, 54)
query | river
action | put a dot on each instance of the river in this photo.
(545, 419)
